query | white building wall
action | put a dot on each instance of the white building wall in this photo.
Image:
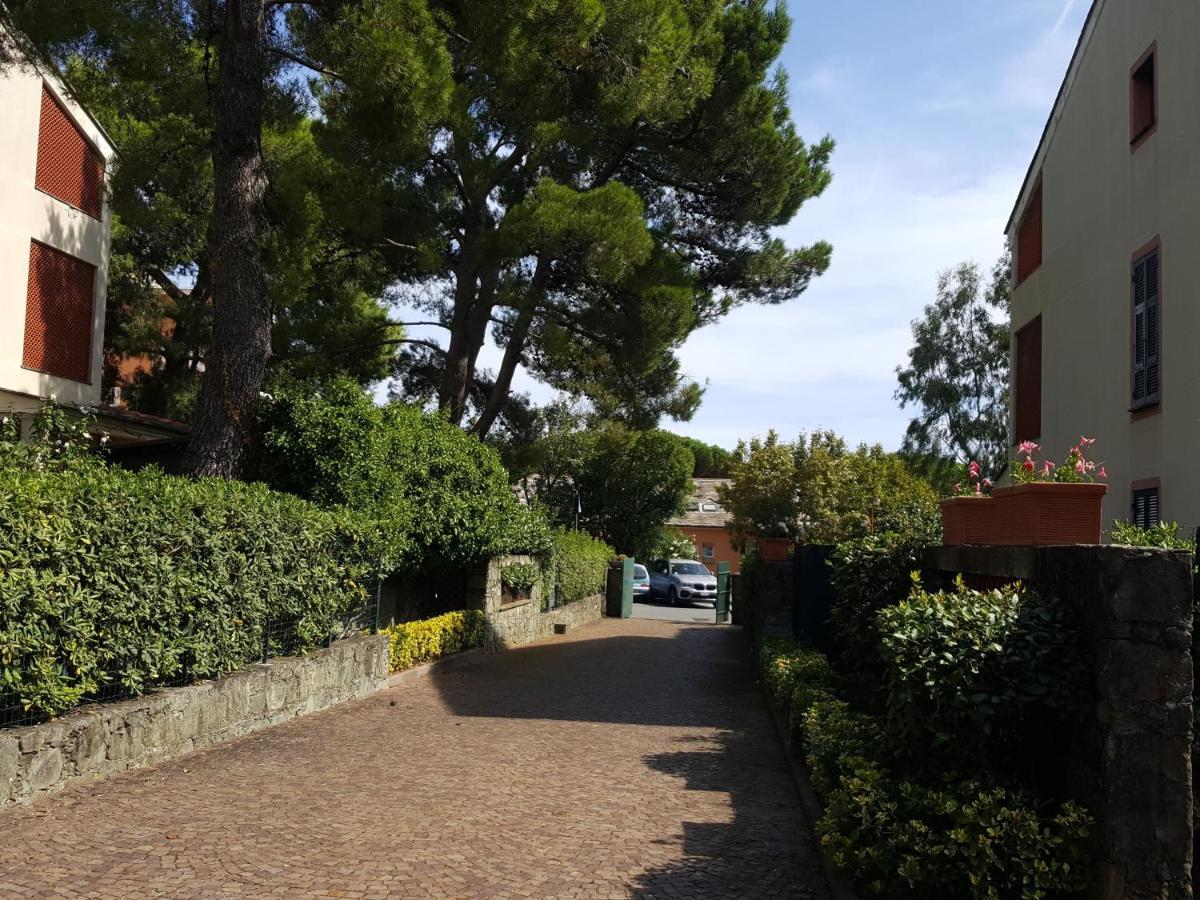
(1101, 204)
(27, 214)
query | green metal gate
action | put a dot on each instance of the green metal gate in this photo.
(724, 582)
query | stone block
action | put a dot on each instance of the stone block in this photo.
(10, 764)
(43, 769)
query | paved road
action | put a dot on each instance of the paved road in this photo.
(664, 612)
(628, 759)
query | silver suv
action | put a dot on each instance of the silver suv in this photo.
(682, 580)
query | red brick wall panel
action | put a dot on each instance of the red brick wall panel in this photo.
(68, 167)
(58, 314)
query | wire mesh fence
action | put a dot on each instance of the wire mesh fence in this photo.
(285, 636)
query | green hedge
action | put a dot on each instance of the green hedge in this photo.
(901, 839)
(112, 581)
(443, 494)
(414, 643)
(578, 563)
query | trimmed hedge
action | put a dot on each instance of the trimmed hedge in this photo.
(113, 582)
(413, 643)
(580, 563)
(443, 494)
(902, 839)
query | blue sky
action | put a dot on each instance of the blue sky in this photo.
(937, 108)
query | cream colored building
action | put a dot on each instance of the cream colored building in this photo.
(1106, 241)
(54, 241)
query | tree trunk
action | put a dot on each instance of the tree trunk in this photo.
(241, 344)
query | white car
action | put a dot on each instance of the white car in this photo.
(682, 580)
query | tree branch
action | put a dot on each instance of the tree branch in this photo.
(336, 351)
(306, 63)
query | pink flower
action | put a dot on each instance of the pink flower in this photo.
(987, 482)
(1048, 467)
(1091, 466)
(957, 488)
(973, 469)
(1081, 467)
(1027, 465)
(978, 490)
(1102, 473)
(1028, 448)
(1086, 441)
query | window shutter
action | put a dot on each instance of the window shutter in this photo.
(1029, 238)
(1153, 328)
(68, 167)
(1028, 412)
(1146, 508)
(1147, 332)
(58, 314)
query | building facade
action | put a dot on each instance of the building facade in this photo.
(1104, 306)
(704, 522)
(54, 241)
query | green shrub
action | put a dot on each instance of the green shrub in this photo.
(520, 578)
(413, 643)
(832, 734)
(578, 565)
(867, 575)
(905, 841)
(1164, 535)
(116, 581)
(785, 665)
(957, 661)
(442, 493)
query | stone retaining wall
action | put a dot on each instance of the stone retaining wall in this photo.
(101, 739)
(525, 622)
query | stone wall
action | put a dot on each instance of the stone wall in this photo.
(1127, 758)
(766, 593)
(524, 621)
(101, 739)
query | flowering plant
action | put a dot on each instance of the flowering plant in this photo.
(1075, 469)
(977, 485)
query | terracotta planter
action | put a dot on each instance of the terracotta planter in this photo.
(970, 520)
(1043, 514)
(774, 549)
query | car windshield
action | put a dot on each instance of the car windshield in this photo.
(691, 568)
(640, 572)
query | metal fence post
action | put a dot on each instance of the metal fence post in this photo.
(378, 604)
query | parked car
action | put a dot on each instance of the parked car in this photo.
(641, 582)
(683, 580)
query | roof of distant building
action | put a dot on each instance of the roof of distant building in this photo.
(704, 508)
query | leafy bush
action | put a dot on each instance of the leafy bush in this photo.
(413, 643)
(579, 565)
(1164, 535)
(116, 581)
(902, 840)
(520, 578)
(671, 543)
(443, 495)
(958, 661)
(868, 574)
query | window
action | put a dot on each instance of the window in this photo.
(1147, 331)
(708, 551)
(1028, 406)
(58, 314)
(1143, 101)
(709, 507)
(1145, 513)
(1029, 237)
(68, 167)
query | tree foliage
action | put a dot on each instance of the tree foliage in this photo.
(603, 178)
(623, 484)
(957, 374)
(819, 490)
(443, 495)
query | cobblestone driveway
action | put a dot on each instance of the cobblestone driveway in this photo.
(631, 758)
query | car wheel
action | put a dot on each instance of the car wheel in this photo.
(673, 598)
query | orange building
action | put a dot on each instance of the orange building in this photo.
(704, 522)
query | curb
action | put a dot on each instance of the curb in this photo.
(837, 882)
(455, 661)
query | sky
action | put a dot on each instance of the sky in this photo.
(937, 108)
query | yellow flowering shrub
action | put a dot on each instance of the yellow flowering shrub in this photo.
(414, 643)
